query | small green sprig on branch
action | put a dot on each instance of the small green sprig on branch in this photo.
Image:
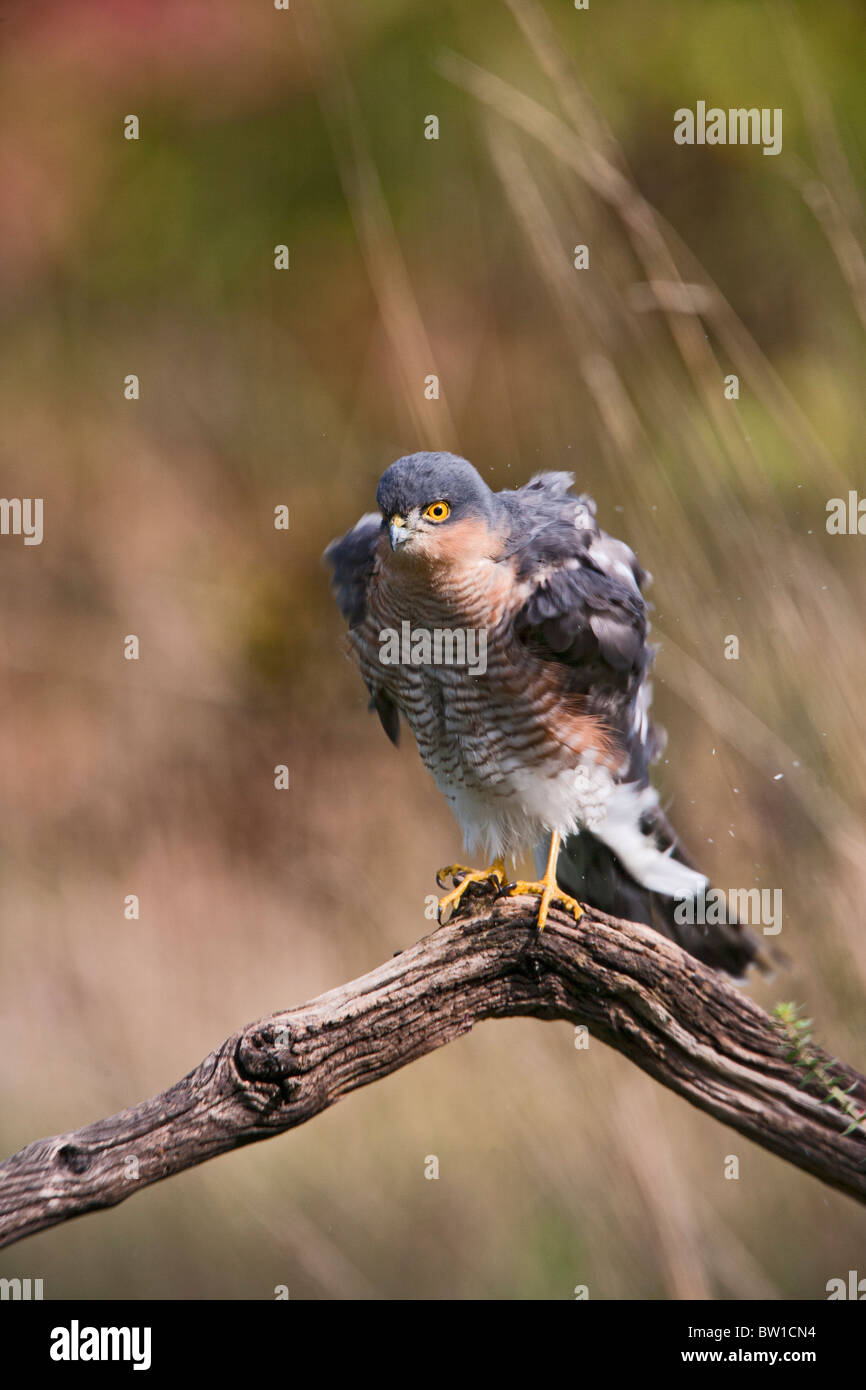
(796, 1031)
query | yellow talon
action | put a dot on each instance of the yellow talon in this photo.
(549, 893)
(546, 888)
(466, 876)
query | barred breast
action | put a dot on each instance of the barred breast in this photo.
(508, 750)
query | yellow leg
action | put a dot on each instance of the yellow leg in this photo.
(462, 877)
(546, 888)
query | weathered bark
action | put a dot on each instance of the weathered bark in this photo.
(676, 1019)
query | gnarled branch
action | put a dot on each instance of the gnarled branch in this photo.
(635, 990)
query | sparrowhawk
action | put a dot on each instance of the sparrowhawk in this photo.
(510, 633)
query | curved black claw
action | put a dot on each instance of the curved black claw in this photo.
(456, 873)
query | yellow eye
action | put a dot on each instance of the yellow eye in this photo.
(438, 511)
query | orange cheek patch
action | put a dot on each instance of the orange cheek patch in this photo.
(462, 555)
(460, 544)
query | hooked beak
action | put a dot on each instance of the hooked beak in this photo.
(398, 531)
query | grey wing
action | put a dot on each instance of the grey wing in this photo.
(352, 558)
(585, 610)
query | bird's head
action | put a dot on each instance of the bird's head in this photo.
(427, 500)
